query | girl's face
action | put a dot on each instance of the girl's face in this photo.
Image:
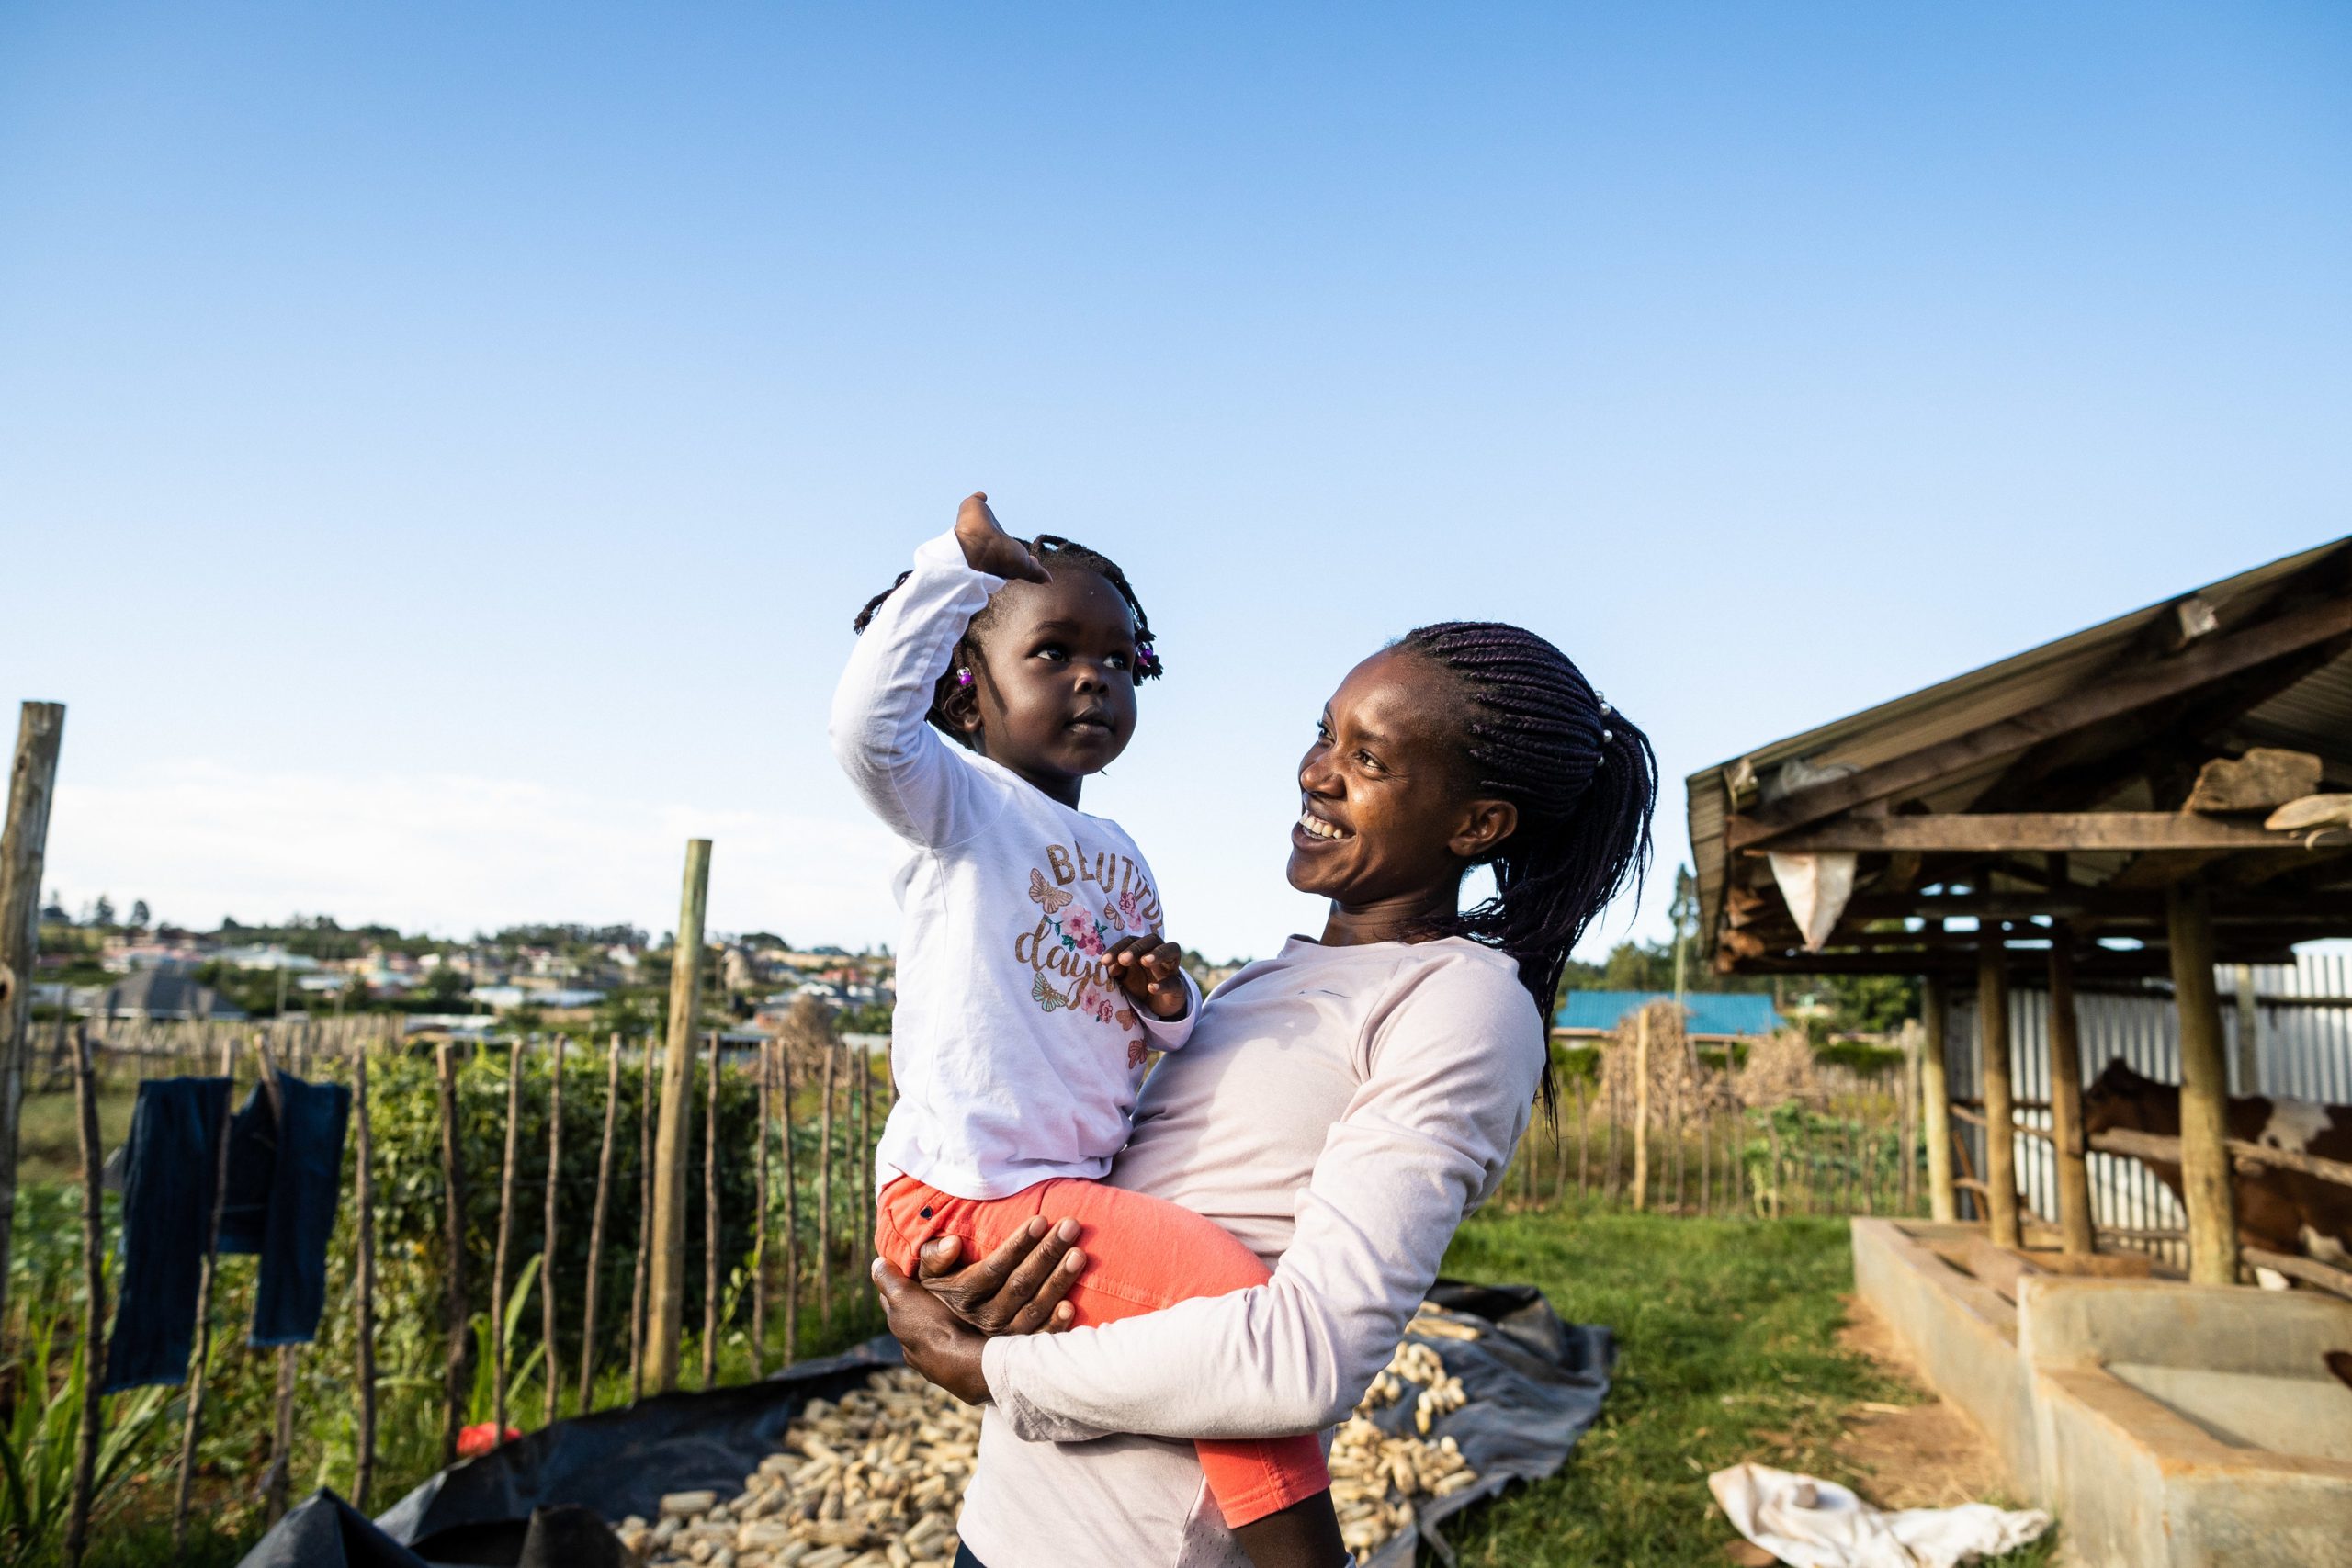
(1386, 814)
(1053, 694)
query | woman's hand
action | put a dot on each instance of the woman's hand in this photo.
(943, 1321)
(1151, 971)
(987, 548)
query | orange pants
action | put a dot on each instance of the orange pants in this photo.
(1142, 1253)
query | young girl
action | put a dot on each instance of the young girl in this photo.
(1033, 977)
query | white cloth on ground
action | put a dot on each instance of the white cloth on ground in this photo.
(1809, 1523)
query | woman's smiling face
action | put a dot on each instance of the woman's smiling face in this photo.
(1386, 812)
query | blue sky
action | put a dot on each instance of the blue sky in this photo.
(441, 448)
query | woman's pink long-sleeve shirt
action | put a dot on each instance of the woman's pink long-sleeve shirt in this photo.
(1339, 1110)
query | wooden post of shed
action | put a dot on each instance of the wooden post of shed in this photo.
(1641, 1110)
(1935, 1100)
(666, 1303)
(2000, 1098)
(2204, 1090)
(24, 848)
(2247, 1059)
(2075, 1231)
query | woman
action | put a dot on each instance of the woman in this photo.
(1341, 1107)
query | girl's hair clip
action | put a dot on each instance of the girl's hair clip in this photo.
(963, 677)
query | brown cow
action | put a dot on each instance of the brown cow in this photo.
(2282, 1210)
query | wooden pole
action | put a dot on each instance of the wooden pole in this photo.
(1935, 1101)
(596, 1227)
(546, 1243)
(1641, 1110)
(505, 1242)
(760, 1216)
(1907, 1119)
(791, 1209)
(2076, 1225)
(1611, 1183)
(710, 1224)
(453, 1225)
(93, 1313)
(275, 1477)
(2247, 1059)
(637, 1306)
(24, 846)
(825, 1198)
(1584, 1142)
(205, 1289)
(2204, 1090)
(2000, 1099)
(363, 1481)
(666, 1298)
(863, 1231)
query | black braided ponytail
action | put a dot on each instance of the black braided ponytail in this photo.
(1051, 551)
(1585, 781)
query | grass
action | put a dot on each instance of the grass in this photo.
(49, 1130)
(1727, 1350)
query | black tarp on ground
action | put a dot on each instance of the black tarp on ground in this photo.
(1534, 1384)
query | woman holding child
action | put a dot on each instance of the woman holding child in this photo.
(1259, 1226)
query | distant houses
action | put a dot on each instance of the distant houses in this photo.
(1713, 1015)
(163, 994)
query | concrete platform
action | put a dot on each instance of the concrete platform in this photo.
(2191, 1427)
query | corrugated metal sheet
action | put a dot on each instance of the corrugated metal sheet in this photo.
(2303, 1051)
(2317, 709)
(1711, 1012)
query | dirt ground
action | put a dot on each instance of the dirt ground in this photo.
(1916, 1456)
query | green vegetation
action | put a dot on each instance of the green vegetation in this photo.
(1727, 1350)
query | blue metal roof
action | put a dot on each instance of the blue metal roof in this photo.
(1737, 1012)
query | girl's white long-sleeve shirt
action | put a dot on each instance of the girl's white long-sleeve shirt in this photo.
(1017, 1057)
(1339, 1110)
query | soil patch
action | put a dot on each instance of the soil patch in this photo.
(1912, 1456)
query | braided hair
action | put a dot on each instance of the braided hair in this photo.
(1534, 732)
(1052, 550)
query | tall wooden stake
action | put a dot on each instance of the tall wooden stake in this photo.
(1907, 1119)
(760, 1217)
(2204, 1090)
(275, 1477)
(548, 1362)
(505, 1242)
(2000, 1099)
(666, 1301)
(1584, 1142)
(710, 1224)
(637, 1313)
(1641, 1110)
(825, 1198)
(453, 1227)
(1935, 1101)
(94, 1314)
(791, 1209)
(24, 843)
(863, 1229)
(201, 1360)
(2077, 1229)
(596, 1228)
(362, 1484)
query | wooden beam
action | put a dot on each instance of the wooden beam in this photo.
(2110, 697)
(2007, 832)
(2075, 1234)
(2205, 1186)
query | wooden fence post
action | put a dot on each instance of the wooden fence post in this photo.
(791, 1208)
(638, 1325)
(2204, 1090)
(1935, 1101)
(825, 1198)
(201, 1360)
(505, 1240)
(23, 844)
(1641, 1109)
(863, 1229)
(1907, 1118)
(710, 1224)
(1584, 1142)
(666, 1301)
(546, 1242)
(93, 1314)
(2000, 1099)
(2076, 1225)
(363, 1482)
(596, 1228)
(760, 1215)
(453, 1223)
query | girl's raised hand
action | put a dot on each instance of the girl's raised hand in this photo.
(987, 548)
(1151, 971)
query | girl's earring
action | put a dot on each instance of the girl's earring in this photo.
(963, 677)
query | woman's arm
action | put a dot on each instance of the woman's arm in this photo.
(1425, 1138)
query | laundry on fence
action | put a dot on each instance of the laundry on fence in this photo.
(284, 1171)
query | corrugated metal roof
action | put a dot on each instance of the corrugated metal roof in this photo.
(1710, 1012)
(2316, 713)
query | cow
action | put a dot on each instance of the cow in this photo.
(2278, 1209)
